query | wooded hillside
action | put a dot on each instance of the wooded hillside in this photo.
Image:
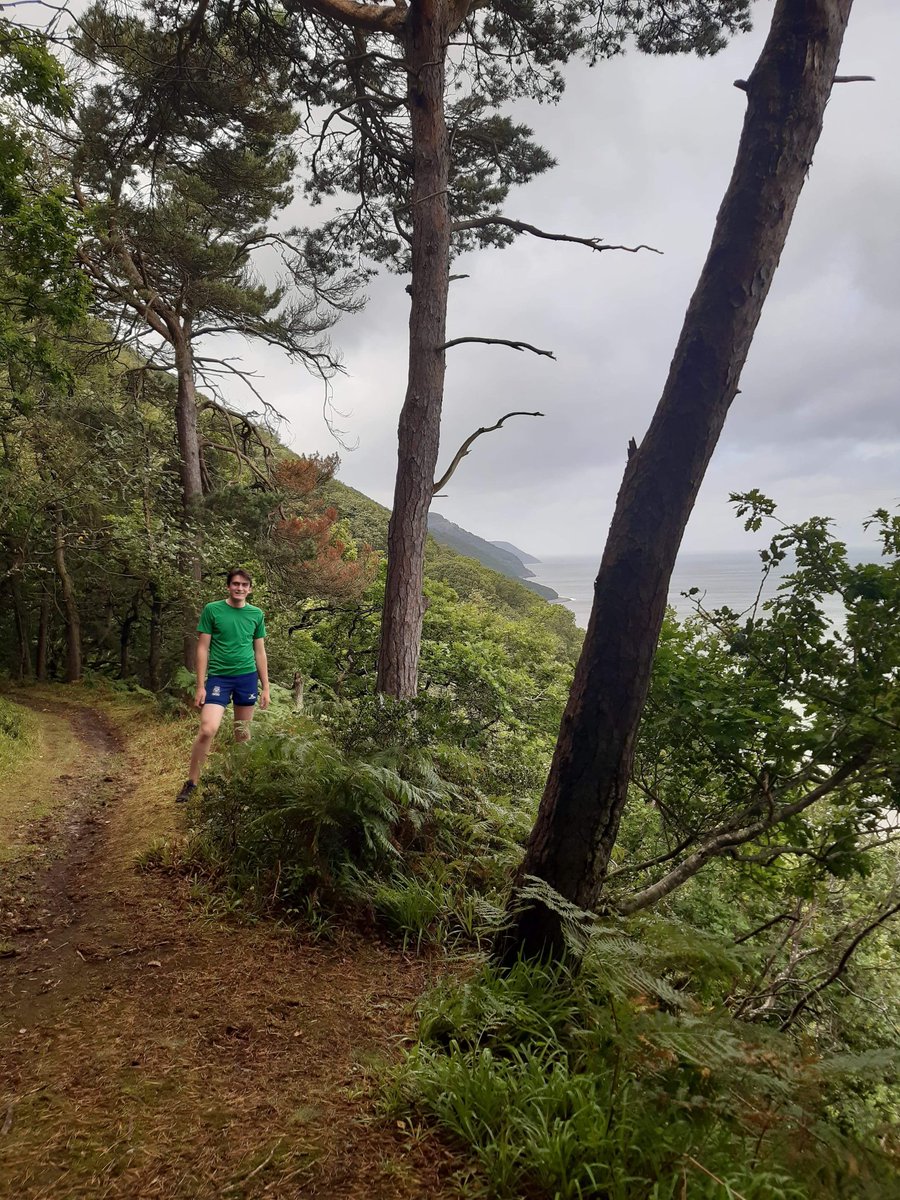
(655, 867)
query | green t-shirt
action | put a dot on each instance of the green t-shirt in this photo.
(233, 633)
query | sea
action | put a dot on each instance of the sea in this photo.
(731, 579)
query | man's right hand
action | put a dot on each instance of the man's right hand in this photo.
(200, 697)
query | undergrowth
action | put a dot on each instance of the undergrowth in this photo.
(15, 737)
(576, 1085)
(296, 824)
(624, 1080)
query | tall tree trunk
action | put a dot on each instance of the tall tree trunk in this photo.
(25, 667)
(125, 635)
(13, 579)
(578, 821)
(43, 637)
(191, 481)
(23, 636)
(426, 41)
(155, 651)
(70, 608)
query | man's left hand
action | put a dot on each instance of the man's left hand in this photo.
(264, 698)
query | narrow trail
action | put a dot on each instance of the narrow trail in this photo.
(149, 1049)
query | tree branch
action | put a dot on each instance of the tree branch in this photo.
(237, 453)
(466, 446)
(762, 928)
(742, 83)
(841, 966)
(728, 837)
(499, 342)
(376, 18)
(523, 227)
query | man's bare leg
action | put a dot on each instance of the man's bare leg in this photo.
(243, 715)
(210, 719)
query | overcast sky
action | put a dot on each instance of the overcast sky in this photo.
(645, 149)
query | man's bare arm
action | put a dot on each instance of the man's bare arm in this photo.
(262, 670)
(203, 640)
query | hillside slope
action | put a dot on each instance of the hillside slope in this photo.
(369, 521)
(521, 555)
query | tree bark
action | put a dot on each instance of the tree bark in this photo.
(426, 38)
(25, 666)
(70, 608)
(128, 623)
(586, 791)
(155, 650)
(191, 480)
(13, 579)
(43, 637)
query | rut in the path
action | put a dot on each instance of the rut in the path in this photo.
(148, 1049)
(48, 905)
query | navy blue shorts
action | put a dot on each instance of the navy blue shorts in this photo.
(221, 688)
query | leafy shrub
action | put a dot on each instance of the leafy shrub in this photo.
(12, 722)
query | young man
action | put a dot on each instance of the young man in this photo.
(231, 646)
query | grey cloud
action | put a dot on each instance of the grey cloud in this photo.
(645, 149)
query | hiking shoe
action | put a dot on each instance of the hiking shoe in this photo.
(186, 792)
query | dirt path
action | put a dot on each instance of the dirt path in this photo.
(148, 1049)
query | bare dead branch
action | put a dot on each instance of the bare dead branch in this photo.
(498, 342)
(242, 458)
(742, 83)
(408, 288)
(467, 445)
(834, 975)
(207, 368)
(523, 227)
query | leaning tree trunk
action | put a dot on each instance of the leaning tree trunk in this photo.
(191, 482)
(70, 609)
(578, 821)
(426, 41)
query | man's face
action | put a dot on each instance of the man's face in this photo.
(238, 590)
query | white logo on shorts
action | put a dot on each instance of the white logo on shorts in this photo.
(252, 696)
(217, 691)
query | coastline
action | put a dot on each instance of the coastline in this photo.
(731, 579)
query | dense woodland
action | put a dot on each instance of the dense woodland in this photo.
(712, 1007)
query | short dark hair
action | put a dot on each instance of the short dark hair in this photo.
(239, 571)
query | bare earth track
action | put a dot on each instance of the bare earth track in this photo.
(148, 1049)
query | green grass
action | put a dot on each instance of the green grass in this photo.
(16, 735)
(35, 749)
(560, 1087)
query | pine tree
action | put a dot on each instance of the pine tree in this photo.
(182, 160)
